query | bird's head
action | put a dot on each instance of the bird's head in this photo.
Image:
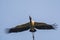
(31, 21)
(30, 17)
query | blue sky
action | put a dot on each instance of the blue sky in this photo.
(14, 12)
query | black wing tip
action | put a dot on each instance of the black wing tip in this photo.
(53, 27)
(9, 30)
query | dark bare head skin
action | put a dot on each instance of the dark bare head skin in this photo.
(30, 19)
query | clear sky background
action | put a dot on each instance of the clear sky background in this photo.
(14, 12)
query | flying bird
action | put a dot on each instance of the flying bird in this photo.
(31, 26)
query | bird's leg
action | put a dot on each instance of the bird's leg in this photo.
(33, 35)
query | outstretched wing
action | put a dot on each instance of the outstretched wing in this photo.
(43, 26)
(19, 28)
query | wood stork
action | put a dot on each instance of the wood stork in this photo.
(32, 26)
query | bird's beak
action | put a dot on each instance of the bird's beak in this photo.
(30, 17)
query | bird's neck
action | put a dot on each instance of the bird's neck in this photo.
(31, 21)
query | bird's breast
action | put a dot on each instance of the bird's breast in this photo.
(32, 23)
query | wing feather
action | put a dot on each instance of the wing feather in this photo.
(43, 26)
(19, 28)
